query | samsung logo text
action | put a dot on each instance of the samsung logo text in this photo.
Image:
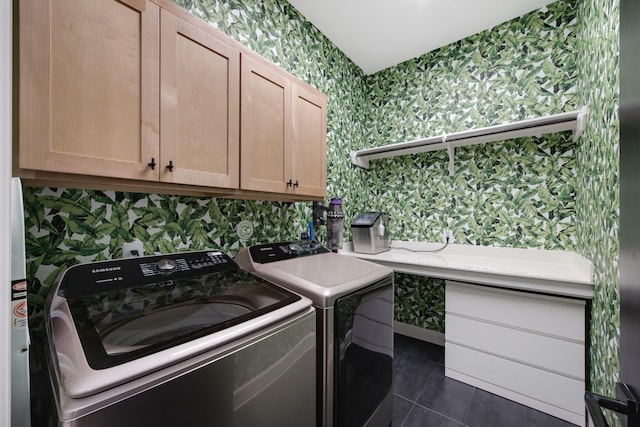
(106, 269)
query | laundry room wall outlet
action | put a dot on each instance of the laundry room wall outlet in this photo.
(131, 249)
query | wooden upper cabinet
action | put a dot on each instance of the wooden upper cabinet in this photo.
(89, 82)
(265, 127)
(283, 132)
(149, 94)
(309, 151)
(200, 103)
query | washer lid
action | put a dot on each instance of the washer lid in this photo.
(117, 326)
(123, 310)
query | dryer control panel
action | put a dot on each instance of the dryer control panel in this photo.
(281, 251)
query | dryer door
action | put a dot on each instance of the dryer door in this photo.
(364, 356)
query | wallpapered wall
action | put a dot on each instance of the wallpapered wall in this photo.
(597, 204)
(518, 193)
(522, 69)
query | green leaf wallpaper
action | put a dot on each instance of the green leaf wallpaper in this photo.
(597, 202)
(419, 301)
(526, 192)
(517, 193)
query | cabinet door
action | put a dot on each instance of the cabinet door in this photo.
(89, 79)
(309, 148)
(265, 127)
(200, 91)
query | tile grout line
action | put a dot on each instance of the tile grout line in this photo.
(466, 413)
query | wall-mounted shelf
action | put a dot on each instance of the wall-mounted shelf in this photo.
(574, 121)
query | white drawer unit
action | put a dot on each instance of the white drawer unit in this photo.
(526, 347)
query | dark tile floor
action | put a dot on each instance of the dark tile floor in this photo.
(423, 396)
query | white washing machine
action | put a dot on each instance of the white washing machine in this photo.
(180, 339)
(354, 303)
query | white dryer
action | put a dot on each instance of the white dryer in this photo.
(354, 304)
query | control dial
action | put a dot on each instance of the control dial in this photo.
(166, 265)
(294, 248)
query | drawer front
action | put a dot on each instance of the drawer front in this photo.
(553, 389)
(541, 351)
(555, 316)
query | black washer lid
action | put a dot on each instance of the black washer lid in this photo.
(126, 309)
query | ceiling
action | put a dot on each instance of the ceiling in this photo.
(376, 34)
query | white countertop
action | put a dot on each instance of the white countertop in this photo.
(552, 272)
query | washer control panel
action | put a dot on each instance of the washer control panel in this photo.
(86, 279)
(205, 262)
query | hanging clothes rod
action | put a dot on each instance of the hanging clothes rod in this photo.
(574, 121)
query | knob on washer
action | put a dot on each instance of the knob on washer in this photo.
(166, 265)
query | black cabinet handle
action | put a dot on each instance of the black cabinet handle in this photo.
(152, 164)
(290, 183)
(170, 166)
(295, 184)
